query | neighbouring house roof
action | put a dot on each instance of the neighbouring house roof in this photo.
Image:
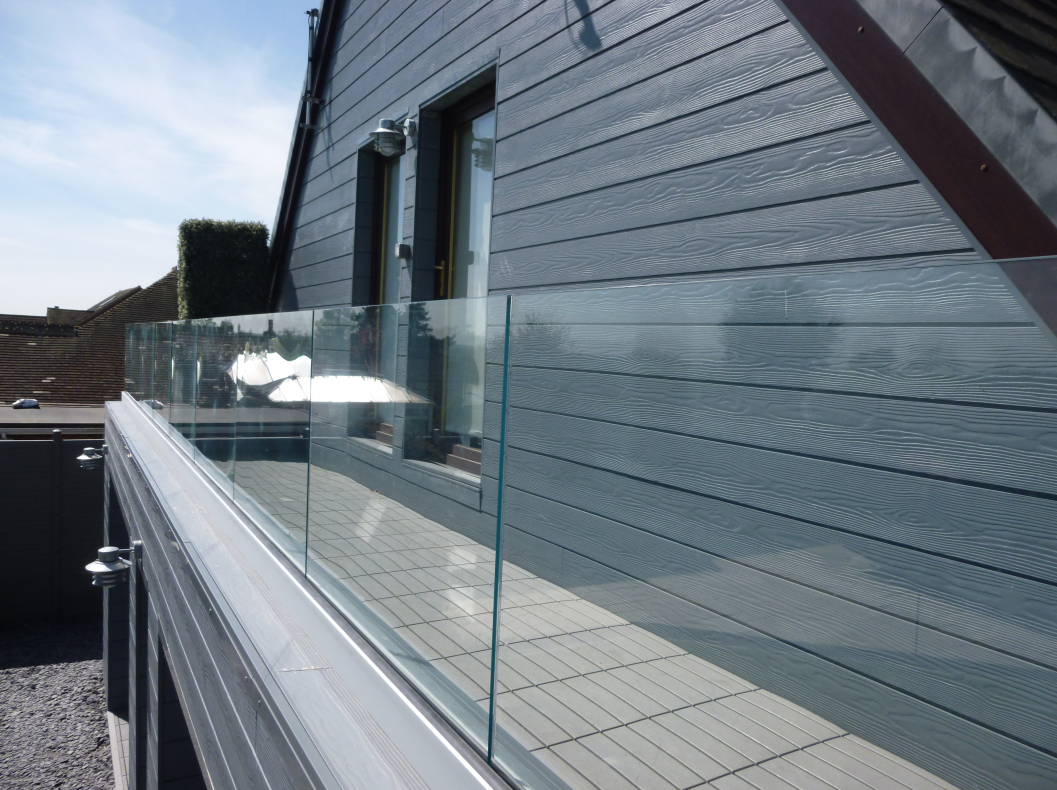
(86, 366)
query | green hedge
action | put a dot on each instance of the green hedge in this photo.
(224, 268)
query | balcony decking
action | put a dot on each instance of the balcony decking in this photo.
(602, 702)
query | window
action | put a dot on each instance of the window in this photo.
(389, 230)
(450, 347)
(374, 328)
(466, 195)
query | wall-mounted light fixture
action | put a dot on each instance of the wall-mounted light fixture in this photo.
(110, 568)
(91, 458)
(390, 136)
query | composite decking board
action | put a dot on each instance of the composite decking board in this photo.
(922, 733)
(971, 443)
(662, 53)
(846, 160)
(537, 624)
(779, 114)
(990, 365)
(984, 605)
(895, 222)
(984, 526)
(933, 666)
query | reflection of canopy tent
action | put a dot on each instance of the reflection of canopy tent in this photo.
(282, 381)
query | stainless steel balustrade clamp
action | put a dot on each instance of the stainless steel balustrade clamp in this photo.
(92, 457)
(111, 568)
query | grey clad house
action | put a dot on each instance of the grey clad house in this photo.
(657, 394)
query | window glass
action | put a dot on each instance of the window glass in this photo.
(392, 230)
(472, 214)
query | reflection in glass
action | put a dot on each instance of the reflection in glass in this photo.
(162, 396)
(392, 230)
(272, 376)
(446, 365)
(184, 380)
(472, 209)
(215, 398)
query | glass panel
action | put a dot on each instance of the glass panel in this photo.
(273, 381)
(392, 230)
(446, 368)
(215, 398)
(472, 215)
(790, 529)
(184, 375)
(161, 399)
(405, 552)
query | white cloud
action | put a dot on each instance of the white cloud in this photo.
(112, 131)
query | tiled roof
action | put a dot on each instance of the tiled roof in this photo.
(89, 367)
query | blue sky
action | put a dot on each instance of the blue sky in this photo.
(118, 120)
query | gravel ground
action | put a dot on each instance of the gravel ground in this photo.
(53, 729)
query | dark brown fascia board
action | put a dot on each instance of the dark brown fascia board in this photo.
(301, 144)
(977, 187)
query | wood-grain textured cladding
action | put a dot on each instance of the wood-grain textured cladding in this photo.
(634, 140)
(724, 492)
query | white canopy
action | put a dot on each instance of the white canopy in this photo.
(283, 381)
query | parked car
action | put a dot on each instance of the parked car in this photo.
(26, 403)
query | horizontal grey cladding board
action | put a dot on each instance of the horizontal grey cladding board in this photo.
(324, 227)
(420, 46)
(367, 23)
(329, 202)
(663, 53)
(422, 74)
(319, 273)
(355, 14)
(1013, 696)
(842, 161)
(950, 746)
(772, 56)
(1005, 447)
(1012, 614)
(896, 222)
(785, 112)
(605, 28)
(992, 528)
(326, 295)
(323, 174)
(933, 292)
(1008, 365)
(340, 243)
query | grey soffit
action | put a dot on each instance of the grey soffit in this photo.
(1020, 133)
(369, 728)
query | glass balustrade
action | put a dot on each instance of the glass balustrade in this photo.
(782, 527)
